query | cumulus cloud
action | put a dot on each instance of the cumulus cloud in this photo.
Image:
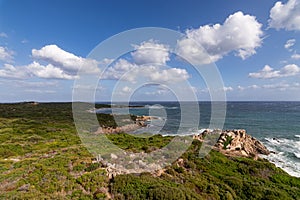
(121, 67)
(131, 72)
(60, 64)
(34, 70)
(239, 33)
(285, 16)
(295, 56)
(65, 60)
(227, 89)
(10, 71)
(169, 75)
(268, 72)
(290, 43)
(48, 71)
(150, 52)
(126, 89)
(5, 54)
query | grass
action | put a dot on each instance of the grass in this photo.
(41, 157)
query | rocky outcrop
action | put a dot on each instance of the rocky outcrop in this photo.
(236, 143)
(141, 121)
(130, 163)
(120, 129)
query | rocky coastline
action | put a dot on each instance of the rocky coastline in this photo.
(236, 143)
(231, 143)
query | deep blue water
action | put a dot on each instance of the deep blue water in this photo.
(276, 124)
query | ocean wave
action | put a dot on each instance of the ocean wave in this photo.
(188, 132)
(155, 117)
(273, 140)
(156, 106)
(174, 107)
(285, 163)
(297, 136)
(286, 156)
(297, 155)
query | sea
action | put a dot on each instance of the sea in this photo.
(275, 124)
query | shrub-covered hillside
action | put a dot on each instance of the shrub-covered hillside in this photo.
(41, 157)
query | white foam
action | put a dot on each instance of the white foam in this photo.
(297, 136)
(154, 106)
(273, 140)
(188, 132)
(283, 162)
(297, 155)
(175, 107)
(284, 149)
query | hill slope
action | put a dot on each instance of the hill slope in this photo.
(41, 157)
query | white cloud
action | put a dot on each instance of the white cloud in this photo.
(285, 16)
(253, 87)
(126, 89)
(277, 86)
(281, 86)
(48, 71)
(61, 64)
(9, 71)
(131, 72)
(40, 91)
(295, 56)
(290, 70)
(121, 67)
(4, 35)
(150, 52)
(5, 54)
(189, 50)
(65, 60)
(239, 33)
(290, 43)
(169, 75)
(34, 69)
(36, 84)
(240, 88)
(157, 90)
(227, 89)
(268, 72)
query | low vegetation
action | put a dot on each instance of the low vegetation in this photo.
(41, 157)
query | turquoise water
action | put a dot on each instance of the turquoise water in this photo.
(276, 124)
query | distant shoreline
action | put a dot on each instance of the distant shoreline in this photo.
(171, 101)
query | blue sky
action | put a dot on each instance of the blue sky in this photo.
(254, 44)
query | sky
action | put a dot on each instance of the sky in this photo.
(254, 45)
